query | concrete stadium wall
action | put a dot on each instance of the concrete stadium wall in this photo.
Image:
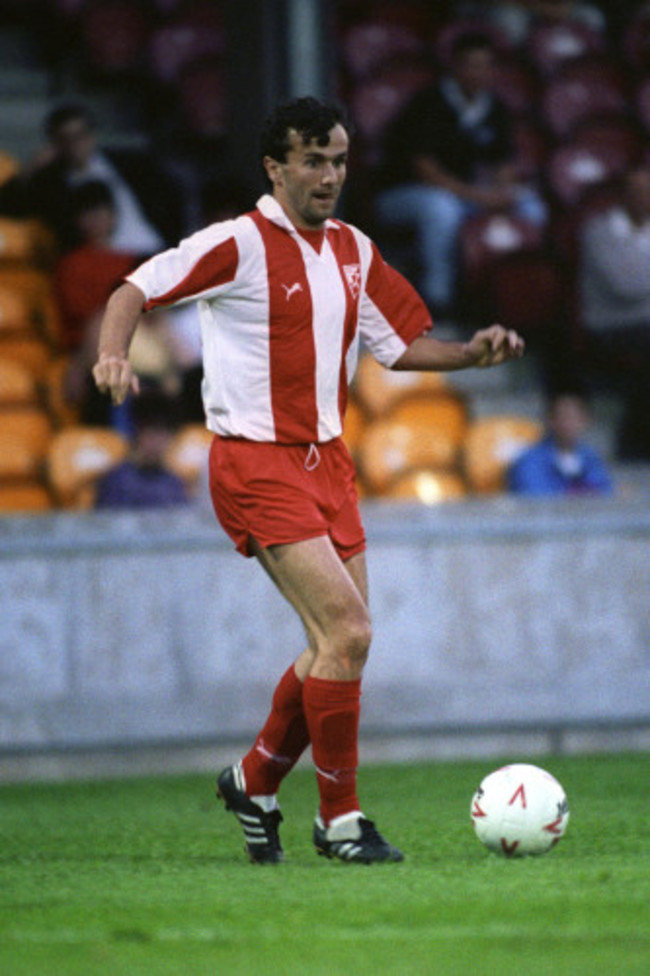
(132, 629)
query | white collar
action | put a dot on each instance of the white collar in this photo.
(471, 112)
(271, 209)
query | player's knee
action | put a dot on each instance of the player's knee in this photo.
(355, 635)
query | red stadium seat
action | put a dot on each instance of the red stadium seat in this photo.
(635, 42)
(642, 103)
(528, 292)
(487, 237)
(367, 46)
(531, 148)
(173, 46)
(202, 97)
(575, 169)
(584, 89)
(515, 84)
(376, 100)
(552, 46)
(114, 34)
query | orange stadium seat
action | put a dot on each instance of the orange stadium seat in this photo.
(417, 434)
(17, 385)
(25, 433)
(77, 456)
(24, 498)
(446, 411)
(378, 389)
(355, 425)
(64, 412)
(491, 445)
(34, 289)
(25, 242)
(188, 453)
(9, 167)
(34, 353)
(428, 487)
(16, 310)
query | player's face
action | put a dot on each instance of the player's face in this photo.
(308, 184)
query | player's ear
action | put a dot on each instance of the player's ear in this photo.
(273, 169)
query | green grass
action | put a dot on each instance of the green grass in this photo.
(148, 876)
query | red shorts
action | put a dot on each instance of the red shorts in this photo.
(283, 493)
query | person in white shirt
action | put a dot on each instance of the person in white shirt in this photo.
(614, 289)
(71, 157)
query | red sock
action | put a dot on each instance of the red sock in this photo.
(332, 711)
(281, 742)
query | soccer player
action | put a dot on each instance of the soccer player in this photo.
(284, 294)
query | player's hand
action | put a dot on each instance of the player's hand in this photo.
(495, 345)
(113, 374)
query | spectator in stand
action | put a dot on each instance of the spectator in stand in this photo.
(143, 481)
(562, 463)
(448, 156)
(145, 202)
(86, 275)
(615, 305)
(166, 355)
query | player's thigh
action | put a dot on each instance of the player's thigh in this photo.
(329, 595)
(357, 568)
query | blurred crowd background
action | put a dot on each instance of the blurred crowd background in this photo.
(127, 124)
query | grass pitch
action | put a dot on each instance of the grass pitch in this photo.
(148, 877)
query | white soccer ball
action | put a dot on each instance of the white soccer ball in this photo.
(518, 810)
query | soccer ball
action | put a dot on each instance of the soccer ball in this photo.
(518, 810)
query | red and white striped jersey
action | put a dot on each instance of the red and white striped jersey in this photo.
(281, 322)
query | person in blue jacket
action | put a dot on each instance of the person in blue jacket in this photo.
(561, 463)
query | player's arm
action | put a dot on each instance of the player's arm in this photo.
(112, 371)
(487, 347)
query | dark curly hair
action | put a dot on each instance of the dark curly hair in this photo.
(307, 116)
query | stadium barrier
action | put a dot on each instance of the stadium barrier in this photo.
(490, 617)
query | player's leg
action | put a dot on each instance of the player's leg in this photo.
(249, 788)
(285, 736)
(331, 599)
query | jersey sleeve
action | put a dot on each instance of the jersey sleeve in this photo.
(201, 266)
(391, 313)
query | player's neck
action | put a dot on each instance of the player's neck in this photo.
(314, 236)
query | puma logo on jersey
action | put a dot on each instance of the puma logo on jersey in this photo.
(290, 290)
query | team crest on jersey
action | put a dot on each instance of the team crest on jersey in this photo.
(352, 274)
